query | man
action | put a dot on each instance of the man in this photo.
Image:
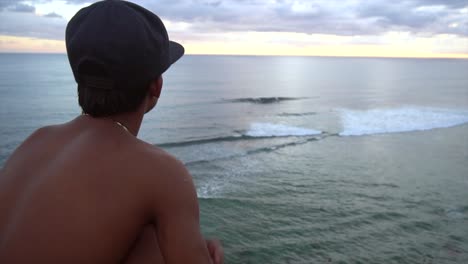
(89, 191)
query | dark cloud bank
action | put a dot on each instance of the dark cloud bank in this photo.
(345, 18)
(322, 17)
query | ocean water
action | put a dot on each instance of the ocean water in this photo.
(296, 159)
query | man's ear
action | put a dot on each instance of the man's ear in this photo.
(156, 87)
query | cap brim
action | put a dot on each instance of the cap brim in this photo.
(176, 51)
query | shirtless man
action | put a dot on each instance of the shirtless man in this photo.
(89, 191)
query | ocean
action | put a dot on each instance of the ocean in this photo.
(296, 159)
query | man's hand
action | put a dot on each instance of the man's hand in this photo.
(216, 251)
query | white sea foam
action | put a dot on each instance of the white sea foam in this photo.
(378, 121)
(211, 189)
(278, 130)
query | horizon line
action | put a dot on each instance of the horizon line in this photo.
(272, 55)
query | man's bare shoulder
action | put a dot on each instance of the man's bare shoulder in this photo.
(41, 135)
(164, 171)
(154, 157)
(38, 134)
(30, 144)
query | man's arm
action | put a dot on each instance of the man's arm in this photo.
(176, 216)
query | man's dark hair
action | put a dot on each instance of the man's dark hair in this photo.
(105, 102)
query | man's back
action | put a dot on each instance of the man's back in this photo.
(89, 191)
(76, 193)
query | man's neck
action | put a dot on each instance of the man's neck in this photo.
(132, 121)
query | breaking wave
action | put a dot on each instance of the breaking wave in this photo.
(256, 131)
(380, 121)
(279, 130)
(298, 114)
(263, 100)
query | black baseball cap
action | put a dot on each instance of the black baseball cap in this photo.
(113, 44)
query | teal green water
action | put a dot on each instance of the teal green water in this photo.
(296, 160)
(397, 198)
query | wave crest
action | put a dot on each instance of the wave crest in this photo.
(256, 131)
(263, 100)
(379, 121)
(278, 130)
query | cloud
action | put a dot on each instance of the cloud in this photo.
(53, 15)
(431, 18)
(344, 18)
(205, 18)
(6, 3)
(21, 19)
(32, 25)
(447, 3)
(22, 8)
(75, 2)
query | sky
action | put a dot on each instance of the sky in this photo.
(372, 28)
